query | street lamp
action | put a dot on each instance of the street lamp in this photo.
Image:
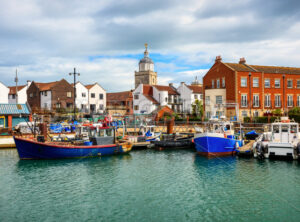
(74, 74)
(250, 95)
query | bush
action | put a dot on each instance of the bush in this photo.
(261, 119)
(295, 117)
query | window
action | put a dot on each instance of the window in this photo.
(57, 105)
(136, 96)
(290, 83)
(69, 94)
(196, 96)
(298, 83)
(101, 106)
(223, 82)
(255, 100)
(166, 99)
(45, 93)
(277, 83)
(83, 95)
(290, 101)
(267, 100)
(13, 96)
(208, 114)
(277, 101)
(136, 107)
(219, 100)
(212, 84)
(255, 113)
(201, 96)
(298, 100)
(93, 95)
(31, 95)
(207, 100)
(244, 101)
(244, 113)
(244, 82)
(218, 83)
(255, 82)
(100, 96)
(267, 83)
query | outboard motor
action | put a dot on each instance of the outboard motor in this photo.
(298, 149)
(260, 151)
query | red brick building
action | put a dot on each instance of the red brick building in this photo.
(239, 88)
(119, 103)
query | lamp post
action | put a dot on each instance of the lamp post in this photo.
(74, 74)
(283, 87)
(250, 95)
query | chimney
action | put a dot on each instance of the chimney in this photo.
(242, 60)
(182, 83)
(218, 58)
(171, 84)
(28, 83)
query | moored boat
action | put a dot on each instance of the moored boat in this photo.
(217, 140)
(102, 142)
(175, 141)
(283, 140)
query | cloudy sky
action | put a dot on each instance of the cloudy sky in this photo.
(104, 40)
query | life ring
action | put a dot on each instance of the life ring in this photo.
(225, 136)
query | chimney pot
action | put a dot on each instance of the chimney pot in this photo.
(218, 58)
(242, 60)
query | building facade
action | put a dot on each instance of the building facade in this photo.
(240, 90)
(119, 103)
(4, 93)
(189, 94)
(146, 74)
(50, 96)
(148, 98)
(82, 97)
(21, 94)
(96, 98)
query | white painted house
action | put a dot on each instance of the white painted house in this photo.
(82, 97)
(147, 98)
(143, 100)
(4, 93)
(189, 94)
(96, 98)
(22, 94)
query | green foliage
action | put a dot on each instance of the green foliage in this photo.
(277, 112)
(198, 109)
(294, 111)
(261, 119)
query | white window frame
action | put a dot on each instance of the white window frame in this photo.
(276, 80)
(218, 83)
(244, 113)
(255, 100)
(277, 100)
(290, 100)
(298, 83)
(245, 82)
(255, 82)
(219, 99)
(244, 100)
(289, 81)
(298, 100)
(207, 100)
(268, 100)
(213, 84)
(269, 83)
(223, 82)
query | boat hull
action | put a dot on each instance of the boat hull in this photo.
(29, 149)
(215, 145)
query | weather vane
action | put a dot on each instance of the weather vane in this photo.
(146, 46)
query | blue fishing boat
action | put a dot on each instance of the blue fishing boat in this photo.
(217, 140)
(102, 142)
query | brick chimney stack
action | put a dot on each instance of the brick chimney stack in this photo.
(242, 60)
(218, 59)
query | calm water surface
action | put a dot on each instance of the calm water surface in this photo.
(149, 186)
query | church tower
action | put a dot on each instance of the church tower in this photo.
(146, 74)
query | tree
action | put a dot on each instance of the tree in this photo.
(198, 108)
(277, 112)
(294, 111)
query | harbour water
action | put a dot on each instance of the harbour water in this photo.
(149, 185)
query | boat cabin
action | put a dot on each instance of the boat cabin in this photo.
(284, 132)
(101, 135)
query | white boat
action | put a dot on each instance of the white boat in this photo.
(281, 140)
